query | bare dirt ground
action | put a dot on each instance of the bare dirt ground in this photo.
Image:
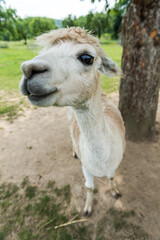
(38, 145)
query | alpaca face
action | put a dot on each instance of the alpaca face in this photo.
(64, 75)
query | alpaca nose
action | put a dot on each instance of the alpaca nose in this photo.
(36, 79)
(31, 67)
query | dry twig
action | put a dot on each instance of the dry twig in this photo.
(71, 222)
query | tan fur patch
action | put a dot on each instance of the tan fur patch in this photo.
(112, 114)
(75, 132)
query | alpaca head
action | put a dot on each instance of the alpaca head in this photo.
(66, 72)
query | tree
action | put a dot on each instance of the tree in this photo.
(117, 13)
(81, 21)
(8, 19)
(113, 16)
(39, 25)
(94, 22)
(23, 28)
(89, 20)
(139, 86)
(70, 21)
(99, 23)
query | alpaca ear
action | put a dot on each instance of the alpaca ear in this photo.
(109, 67)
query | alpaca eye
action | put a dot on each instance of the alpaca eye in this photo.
(86, 59)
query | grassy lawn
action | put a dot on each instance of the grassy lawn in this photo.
(10, 74)
(10, 60)
(114, 51)
(28, 213)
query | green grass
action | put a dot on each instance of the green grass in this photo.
(11, 105)
(29, 213)
(11, 110)
(117, 225)
(114, 51)
(10, 61)
(11, 102)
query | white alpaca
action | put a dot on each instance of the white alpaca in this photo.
(66, 73)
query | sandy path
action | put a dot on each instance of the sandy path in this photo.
(38, 145)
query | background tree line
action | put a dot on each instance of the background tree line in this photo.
(99, 23)
(12, 27)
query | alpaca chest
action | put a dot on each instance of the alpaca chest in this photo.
(95, 157)
(101, 158)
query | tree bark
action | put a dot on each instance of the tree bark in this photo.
(139, 85)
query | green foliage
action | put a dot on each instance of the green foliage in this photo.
(39, 25)
(23, 29)
(99, 23)
(94, 22)
(8, 19)
(33, 26)
(115, 16)
(69, 21)
(117, 13)
(13, 27)
(89, 19)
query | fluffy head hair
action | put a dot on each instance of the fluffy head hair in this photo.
(75, 34)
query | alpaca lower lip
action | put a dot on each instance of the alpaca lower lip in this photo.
(41, 97)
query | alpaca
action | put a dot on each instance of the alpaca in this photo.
(66, 73)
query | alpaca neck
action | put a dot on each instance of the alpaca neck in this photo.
(90, 118)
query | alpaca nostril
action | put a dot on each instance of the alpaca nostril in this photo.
(32, 67)
(34, 72)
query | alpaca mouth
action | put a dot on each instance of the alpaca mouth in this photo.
(39, 98)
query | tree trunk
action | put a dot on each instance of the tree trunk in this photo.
(25, 40)
(99, 32)
(139, 86)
